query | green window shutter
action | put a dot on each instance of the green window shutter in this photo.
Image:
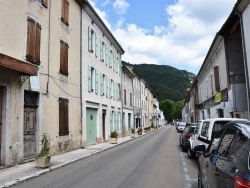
(96, 45)
(106, 53)
(111, 121)
(101, 83)
(107, 87)
(119, 66)
(110, 59)
(89, 39)
(114, 90)
(89, 78)
(115, 123)
(114, 62)
(96, 82)
(110, 88)
(101, 55)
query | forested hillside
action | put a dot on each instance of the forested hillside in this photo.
(166, 82)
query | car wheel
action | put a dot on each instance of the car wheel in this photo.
(183, 148)
(199, 179)
(180, 142)
(191, 154)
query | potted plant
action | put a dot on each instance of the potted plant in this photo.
(43, 157)
(113, 137)
(139, 131)
(132, 133)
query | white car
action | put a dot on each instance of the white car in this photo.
(181, 126)
(205, 131)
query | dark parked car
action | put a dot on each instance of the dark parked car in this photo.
(226, 162)
(185, 136)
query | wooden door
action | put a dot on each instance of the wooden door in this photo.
(29, 127)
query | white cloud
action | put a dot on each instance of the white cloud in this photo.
(121, 6)
(184, 42)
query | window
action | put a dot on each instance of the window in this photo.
(212, 84)
(118, 65)
(125, 97)
(92, 80)
(131, 99)
(216, 78)
(65, 12)
(215, 142)
(33, 41)
(111, 88)
(63, 117)
(103, 85)
(204, 129)
(226, 142)
(103, 52)
(118, 90)
(112, 120)
(92, 44)
(200, 93)
(64, 58)
(111, 62)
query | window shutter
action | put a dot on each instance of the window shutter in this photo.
(101, 55)
(110, 59)
(107, 87)
(110, 88)
(216, 78)
(45, 3)
(63, 117)
(63, 11)
(89, 78)
(31, 40)
(96, 45)
(37, 44)
(64, 58)
(115, 121)
(111, 121)
(106, 53)
(66, 12)
(101, 83)
(89, 39)
(114, 90)
(96, 82)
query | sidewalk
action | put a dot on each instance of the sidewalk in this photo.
(13, 175)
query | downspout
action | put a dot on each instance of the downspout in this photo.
(81, 99)
(121, 92)
(47, 88)
(245, 62)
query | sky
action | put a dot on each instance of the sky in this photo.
(177, 33)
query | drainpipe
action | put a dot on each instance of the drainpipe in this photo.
(47, 88)
(121, 92)
(245, 62)
(81, 65)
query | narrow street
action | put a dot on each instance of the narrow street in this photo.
(154, 160)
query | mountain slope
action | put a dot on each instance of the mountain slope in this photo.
(165, 81)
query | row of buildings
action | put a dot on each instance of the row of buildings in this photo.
(221, 88)
(61, 74)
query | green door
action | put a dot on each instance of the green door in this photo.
(91, 118)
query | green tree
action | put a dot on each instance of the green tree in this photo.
(167, 107)
(178, 109)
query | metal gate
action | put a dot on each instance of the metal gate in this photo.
(29, 128)
(91, 118)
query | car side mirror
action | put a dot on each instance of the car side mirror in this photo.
(200, 149)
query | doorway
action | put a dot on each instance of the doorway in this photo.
(91, 120)
(29, 129)
(103, 125)
(1, 121)
(29, 124)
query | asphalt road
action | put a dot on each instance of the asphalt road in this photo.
(151, 161)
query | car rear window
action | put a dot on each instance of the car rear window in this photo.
(191, 129)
